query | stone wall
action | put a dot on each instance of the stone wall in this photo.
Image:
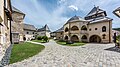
(6, 59)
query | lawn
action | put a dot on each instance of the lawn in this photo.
(74, 44)
(24, 51)
(39, 41)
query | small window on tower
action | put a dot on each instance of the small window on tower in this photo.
(104, 36)
(95, 28)
(89, 29)
(104, 29)
(27, 32)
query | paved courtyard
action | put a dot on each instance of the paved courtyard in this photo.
(89, 55)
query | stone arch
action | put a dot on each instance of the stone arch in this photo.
(74, 28)
(66, 38)
(104, 29)
(84, 38)
(84, 28)
(66, 29)
(95, 39)
(75, 38)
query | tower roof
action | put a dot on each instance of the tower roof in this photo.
(117, 12)
(14, 9)
(29, 27)
(45, 28)
(75, 18)
(95, 10)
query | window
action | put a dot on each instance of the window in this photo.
(66, 29)
(4, 3)
(104, 29)
(27, 32)
(74, 28)
(84, 37)
(95, 28)
(33, 32)
(104, 36)
(84, 28)
(89, 29)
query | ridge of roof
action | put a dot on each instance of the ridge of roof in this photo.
(14, 9)
(100, 19)
(60, 30)
(75, 18)
(29, 27)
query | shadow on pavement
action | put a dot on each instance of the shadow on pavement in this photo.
(115, 49)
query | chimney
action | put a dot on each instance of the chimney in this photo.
(97, 8)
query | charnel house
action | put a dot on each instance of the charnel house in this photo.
(94, 27)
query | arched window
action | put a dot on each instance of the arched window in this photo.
(104, 29)
(84, 28)
(74, 28)
(75, 38)
(66, 38)
(84, 37)
(66, 29)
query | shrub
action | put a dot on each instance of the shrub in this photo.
(45, 38)
(61, 41)
(118, 37)
(39, 38)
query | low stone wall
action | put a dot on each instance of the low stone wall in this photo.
(6, 59)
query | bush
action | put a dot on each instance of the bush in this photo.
(61, 41)
(45, 38)
(118, 37)
(39, 38)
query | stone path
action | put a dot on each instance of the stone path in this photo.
(90, 55)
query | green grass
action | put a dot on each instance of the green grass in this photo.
(74, 44)
(24, 51)
(39, 41)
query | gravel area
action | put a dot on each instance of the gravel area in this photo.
(89, 55)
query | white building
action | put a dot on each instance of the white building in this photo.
(45, 31)
(29, 32)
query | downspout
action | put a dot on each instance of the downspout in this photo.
(10, 33)
(69, 32)
(109, 32)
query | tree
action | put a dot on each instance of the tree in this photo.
(45, 38)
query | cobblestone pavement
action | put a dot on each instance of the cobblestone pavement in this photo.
(89, 55)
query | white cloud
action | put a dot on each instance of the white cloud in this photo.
(61, 1)
(73, 7)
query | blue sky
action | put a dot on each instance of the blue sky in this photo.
(55, 13)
